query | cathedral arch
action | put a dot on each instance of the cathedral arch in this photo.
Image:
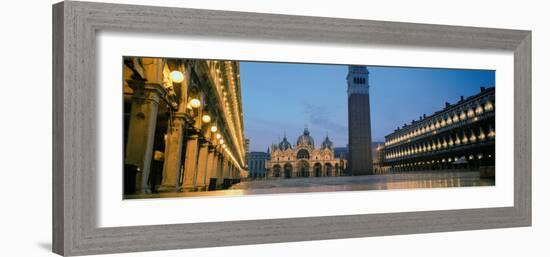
(318, 168)
(277, 170)
(288, 170)
(303, 168)
(302, 154)
(328, 169)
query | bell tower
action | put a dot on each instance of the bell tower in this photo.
(359, 127)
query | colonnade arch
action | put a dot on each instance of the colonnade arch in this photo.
(303, 169)
(178, 134)
(288, 170)
(318, 169)
(328, 170)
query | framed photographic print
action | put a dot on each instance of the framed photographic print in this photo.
(183, 128)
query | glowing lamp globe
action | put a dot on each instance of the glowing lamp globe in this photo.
(176, 76)
(213, 129)
(206, 118)
(195, 103)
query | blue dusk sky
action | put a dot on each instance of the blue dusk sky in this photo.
(281, 98)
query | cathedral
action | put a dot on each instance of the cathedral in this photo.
(303, 159)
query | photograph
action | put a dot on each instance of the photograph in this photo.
(207, 127)
(243, 130)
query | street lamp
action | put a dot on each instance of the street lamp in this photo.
(213, 129)
(195, 103)
(206, 118)
(176, 76)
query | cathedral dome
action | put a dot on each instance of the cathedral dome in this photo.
(283, 145)
(305, 140)
(327, 144)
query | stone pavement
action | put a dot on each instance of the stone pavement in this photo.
(411, 180)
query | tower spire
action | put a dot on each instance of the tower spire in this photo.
(306, 130)
(358, 79)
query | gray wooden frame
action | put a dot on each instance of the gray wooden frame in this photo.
(74, 126)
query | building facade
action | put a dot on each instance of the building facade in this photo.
(257, 162)
(359, 125)
(183, 125)
(378, 151)
(460, 136)
(303, 159)
(341, 153)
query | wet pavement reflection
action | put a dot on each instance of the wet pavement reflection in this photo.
(435, 179)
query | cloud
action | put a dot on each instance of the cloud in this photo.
(318, 115)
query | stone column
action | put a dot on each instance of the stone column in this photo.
(172, 154)
(211, 166)
(141, 130)
(220, 170)
(174, 157)
(202, 165)
(191, 154)
(225, 170)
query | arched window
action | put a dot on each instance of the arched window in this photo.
(288, 170)
(328, 169)
(276, 171)
(488, 106)
(303, 154)
(318, 170)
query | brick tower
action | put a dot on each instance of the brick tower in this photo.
(359, 128)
